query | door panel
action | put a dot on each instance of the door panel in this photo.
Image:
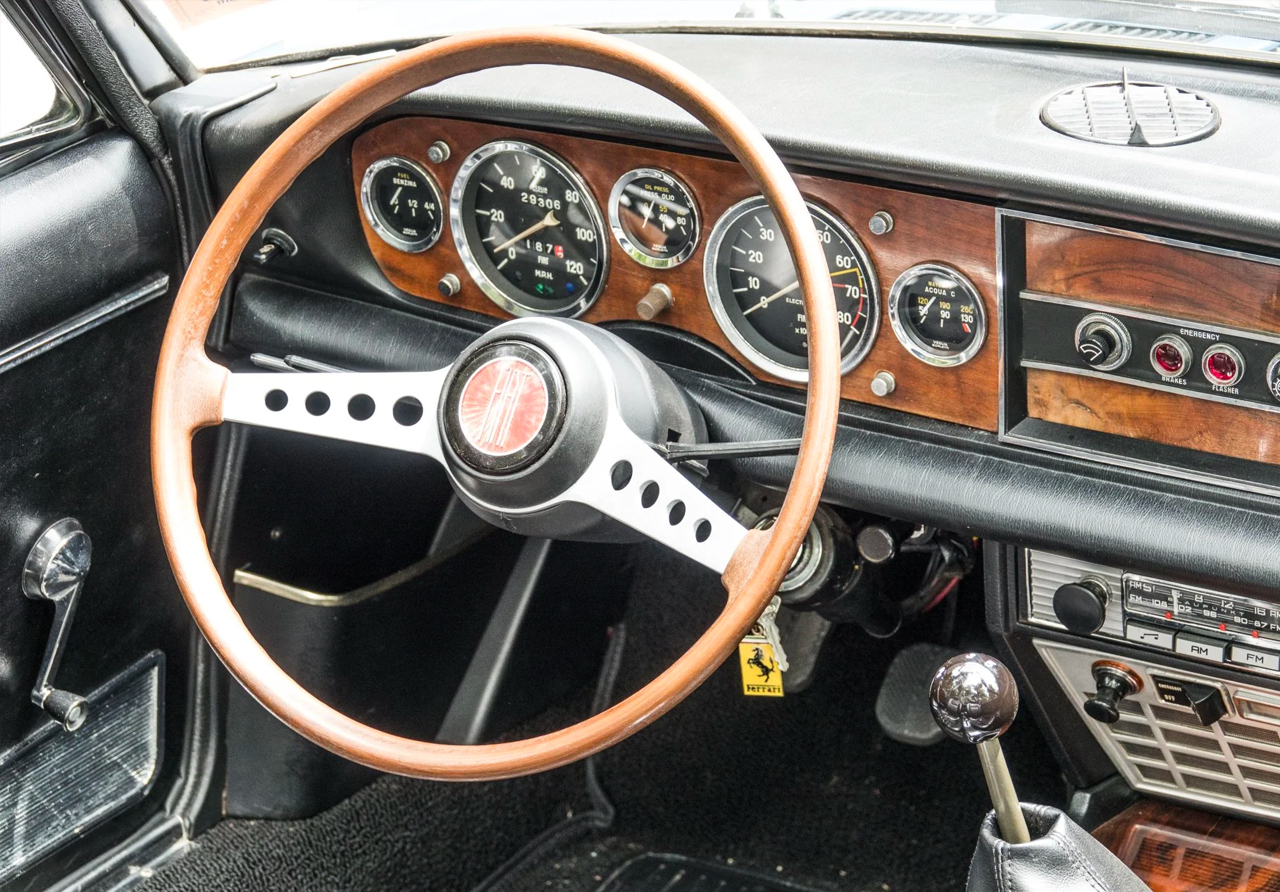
(88, 261)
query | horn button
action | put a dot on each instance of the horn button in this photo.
(504, 408)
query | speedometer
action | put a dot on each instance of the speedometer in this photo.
(755, 296)
(528, 230)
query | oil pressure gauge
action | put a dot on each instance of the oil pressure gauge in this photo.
(937, 314)
(654, 218)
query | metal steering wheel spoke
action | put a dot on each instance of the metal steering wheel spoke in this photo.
(630, 482)
(396, 410)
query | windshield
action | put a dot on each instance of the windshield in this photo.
(220, 33)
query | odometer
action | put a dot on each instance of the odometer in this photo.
(528, 230)
(755, 296)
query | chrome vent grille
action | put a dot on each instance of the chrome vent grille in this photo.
(1115, 29)
(1233, 765)
(917, 17)
(1047, 571)
(1129, 114)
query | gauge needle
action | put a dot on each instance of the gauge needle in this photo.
(548, 220)
(924, 311)
(783, 292)
(648, 212)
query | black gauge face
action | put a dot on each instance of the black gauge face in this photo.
(937, 314)
(402, 204)
(654, 218)
(1273, 376)
(752, 286)
(528, 230)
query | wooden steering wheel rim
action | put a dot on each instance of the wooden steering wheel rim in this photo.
(189, 387)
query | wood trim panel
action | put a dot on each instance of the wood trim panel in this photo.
(1174, 849)
(1114, 407)
(927, 228)
(1131, 272)
(1134, 273)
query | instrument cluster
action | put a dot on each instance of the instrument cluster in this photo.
(541, 224)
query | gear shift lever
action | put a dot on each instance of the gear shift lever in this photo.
(974, 700)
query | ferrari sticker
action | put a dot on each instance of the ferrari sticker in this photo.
(761, 675)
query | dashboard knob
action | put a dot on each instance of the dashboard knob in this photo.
(1082, 606)
(1094, 348)
(1114, 683)
(1103, 342)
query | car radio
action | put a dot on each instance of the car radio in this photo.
(1159, 614)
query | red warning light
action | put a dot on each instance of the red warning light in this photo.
(560, 250)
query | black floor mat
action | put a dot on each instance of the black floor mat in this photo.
(676, 873)
(806, 789)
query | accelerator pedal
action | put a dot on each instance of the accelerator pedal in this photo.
(652, 872)
(902, 707)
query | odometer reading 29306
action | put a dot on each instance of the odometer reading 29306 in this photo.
(528, 230)
(755, 296)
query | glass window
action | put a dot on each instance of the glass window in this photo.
(30, 101)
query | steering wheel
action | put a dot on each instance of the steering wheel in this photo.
(615, 470)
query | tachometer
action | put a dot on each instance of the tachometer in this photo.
(528, 230)
(755, 296)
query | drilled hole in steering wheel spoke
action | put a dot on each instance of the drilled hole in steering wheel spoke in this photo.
(620, 476)
(649, 494)
(276, 400)
(407, 411)
(317, 403)
(675, 512)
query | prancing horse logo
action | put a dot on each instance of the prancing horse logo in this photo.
(757, 660)
(503, 406)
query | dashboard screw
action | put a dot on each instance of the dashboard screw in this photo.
(881, 222)
(438, 152)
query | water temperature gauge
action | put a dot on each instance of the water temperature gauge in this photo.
(937, 314)
(402, 204)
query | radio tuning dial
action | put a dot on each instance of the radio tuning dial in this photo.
(1103, 342)
(1082, 606)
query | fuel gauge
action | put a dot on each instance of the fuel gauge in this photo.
(937, 314)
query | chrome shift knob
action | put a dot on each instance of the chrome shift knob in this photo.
(973, 698)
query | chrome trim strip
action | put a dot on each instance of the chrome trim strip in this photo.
(153, 287)
(711, 285)
(907, 335)
(1149, 385)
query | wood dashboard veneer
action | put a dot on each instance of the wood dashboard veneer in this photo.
(926, 228)
(1137, 274)
(1117, 408)
(1174, 849)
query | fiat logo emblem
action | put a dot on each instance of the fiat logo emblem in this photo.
(503, 406)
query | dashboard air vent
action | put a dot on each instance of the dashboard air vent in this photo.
(1116, 29)
(1131, 114)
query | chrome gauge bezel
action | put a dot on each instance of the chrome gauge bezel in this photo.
(494, 290)
(371, 216)
(629, 247)
(1273, 376)
(906, 333)
(711, 284)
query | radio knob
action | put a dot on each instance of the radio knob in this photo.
(1103, 342)
(1114, 682)
(1082, 606)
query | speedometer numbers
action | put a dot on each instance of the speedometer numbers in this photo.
(752, 286)
(937, 314)
(528, 230)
